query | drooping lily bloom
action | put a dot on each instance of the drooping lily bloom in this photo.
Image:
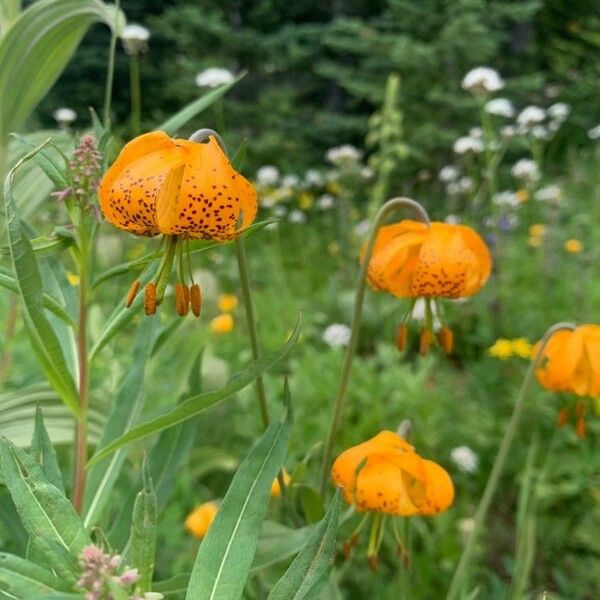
(385, 476)
(200, 519)
(571, 364)
(413, 260)
(179, 188)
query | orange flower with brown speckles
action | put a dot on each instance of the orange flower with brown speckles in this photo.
(184, 190)
(571, 363)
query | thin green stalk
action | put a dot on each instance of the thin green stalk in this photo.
(110, 70)
(466, 558)
(136, 97)
(389, 207)
(244, 271)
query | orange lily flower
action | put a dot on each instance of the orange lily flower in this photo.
(181, 189)
(571, 363)
(385, 476)
(413, 260)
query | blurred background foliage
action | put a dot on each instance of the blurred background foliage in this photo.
(317, 71)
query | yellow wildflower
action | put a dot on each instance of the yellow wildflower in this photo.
(522, 347)
(222, 323)
(227, 302)
(522, 195)
(306, 200)
(537, 230)
(502, 349)
(535, 241)
(573, 246)
(333, 187)
(73, 279)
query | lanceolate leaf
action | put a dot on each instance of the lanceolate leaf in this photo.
(225, 556)
(306, 573)
(187, 113)
(36, 49)
(126, 409)
(43, 337)
(43, 508)
(143, 531)
(43, 452)
(196, 404)
(23, 579)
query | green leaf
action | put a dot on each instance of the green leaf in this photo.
(50, 553)
(9, 282)
(24, 579)
(55, 170)
(126, 409)
(42, 507)
(311, 501)
(143, 531)
(196, 404)
(178, 120)
(174, 586)
(43, 452)
(36, 49)
(306, 573)
(225, 555)
(43, 337)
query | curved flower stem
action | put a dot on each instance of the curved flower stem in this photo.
(389, 207)
(135, 96)
(252, 328)
(110, 69)
(499, 462)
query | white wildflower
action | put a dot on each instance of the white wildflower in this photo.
(594, 133)
(135, 38)
(468, 144)
(452, 219)
(362, 228)
(366, 173)
(325, 202)
(530, 116)
(267, 175)
(549, 193)
(476, 132)
(290, 181)
(539, 132)
(297, 216)
(559, 111)
(481, 80)
(343, 154)
(525, 169)
(508, 131)
(64, 116)
(448, 173)
(313, 177)
(214, 77)
(465, 459)
(337, 335)
(506, 198)
(466, 184)
(501, 107)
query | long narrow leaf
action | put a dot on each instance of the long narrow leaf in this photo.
(225, 556)
(44, 340)
(43, 452)
(24, 579)
(196, 404)
(43, 508)
(307, 570)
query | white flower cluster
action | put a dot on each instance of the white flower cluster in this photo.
(468, 144)
(500, 107)
(465, 459)
(214, 77)
(337, 335)
(482, 80)
(594, 133)
(526, 169)
(64, 116)
(345, 153)
(551, 193)
(267, 176)
(135, 38)
(506, 198)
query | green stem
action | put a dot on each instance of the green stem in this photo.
(165, 267)
(110, 70)
(492, 483)
(136, 98)
(244, 271)
(389, 207)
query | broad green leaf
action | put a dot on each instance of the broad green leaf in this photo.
(9, 282)
(306, 572)
(225, 555)
(43, 337)
(50, 553)
(24, 579)
(43, 452)
(143, 531)
(126, 409)
(196, 404)
(187, 113)
(278, 543)
(36, 49)
(42, 507)
(9, 11)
